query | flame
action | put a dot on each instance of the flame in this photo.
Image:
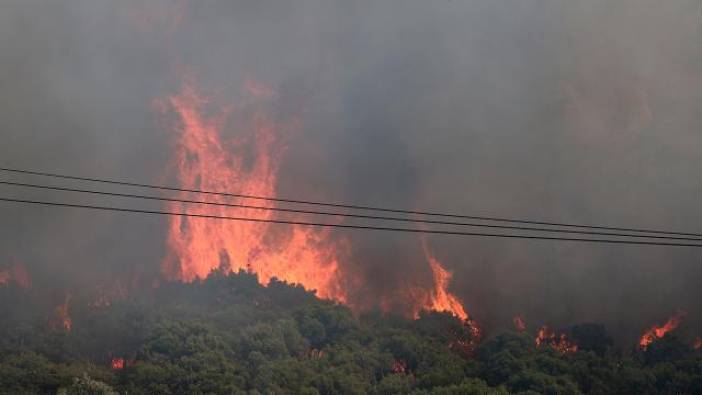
(547, 337)
(205, 161)
(17, 274)
(697, 344)
(248, 164)
(117, 363)
(657, 332)
(399, 366)
(544, 335)
(62, 320)
(519, 323)
(440, 299)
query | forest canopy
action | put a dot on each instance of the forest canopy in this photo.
(230, 335)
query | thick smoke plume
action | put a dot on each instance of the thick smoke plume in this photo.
(584, 112)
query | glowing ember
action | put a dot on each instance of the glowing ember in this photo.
(247, 164)
(519, 324)
(547, 337)
(399, 366)
(466, 345)
(440, 299)
(657, 332)
(117, 363)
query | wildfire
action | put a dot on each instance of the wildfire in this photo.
(519, 324)
(547, 337)
(440, 299)
(657, 332)
(17, 274)
(399, 366)
(544, 336)
(62, 320)
(247, 164)
(117, 363)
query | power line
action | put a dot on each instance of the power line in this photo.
(362, 216)
(346, 226)
(348, 206)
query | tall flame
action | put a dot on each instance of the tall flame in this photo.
(439, 298)
(657, 332)
(62, 319)
(248, 164)
(205, 161)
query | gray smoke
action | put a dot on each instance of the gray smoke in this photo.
(583, 112)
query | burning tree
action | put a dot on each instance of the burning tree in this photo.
(657, 332)
(248, 163)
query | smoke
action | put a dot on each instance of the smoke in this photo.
(581, 112)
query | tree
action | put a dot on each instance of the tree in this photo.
(591, 337)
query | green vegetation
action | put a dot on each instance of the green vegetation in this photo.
(229, 335)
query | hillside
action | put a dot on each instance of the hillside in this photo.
(230, 335)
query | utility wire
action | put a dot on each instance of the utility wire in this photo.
(363, 216)
(346, 226)
(349, 206)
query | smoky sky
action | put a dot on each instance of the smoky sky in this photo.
(581, 112)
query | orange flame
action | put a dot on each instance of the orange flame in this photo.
(697, 344)
(657, 332)
(440, 299)
(547, 337)
(248, 164)
(544, 335)
(62, 319)
(117, 363)
(519, 323)
(205, 161)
